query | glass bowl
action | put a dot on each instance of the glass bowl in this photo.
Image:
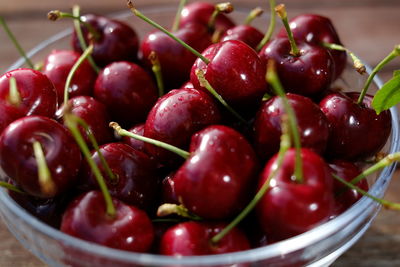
(318, 247)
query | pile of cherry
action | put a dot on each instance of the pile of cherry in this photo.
(222, 155)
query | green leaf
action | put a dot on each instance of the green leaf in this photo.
(389, 95)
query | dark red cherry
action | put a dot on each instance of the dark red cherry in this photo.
(86, 218)
(245, 33)
(193, 239)
(136, 144)
(62, 155)
(216, 181)
(356, 131)
(117, 41)
(290, 207)
(127, 91)
(317, 29)
(175, 60)
(312, 125)
(8, 114)
(240, 84)
(168, 190)
(309, 73)
(175, 118)
(57, 65)
(37, 92)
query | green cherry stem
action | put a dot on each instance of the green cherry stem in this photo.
(357, 63)
(168, 209)
(254, 13)
(225, 7)
(72, 124)
(284, 146)
(281, 11)
(122, 132)
(204, 83)
(46, 183)
(11, 187)
(156, 68)
(178, 15)
(14, 96)
(273, 79)
(16, 43)
(395, 53)
(161, 28)
(271, 27)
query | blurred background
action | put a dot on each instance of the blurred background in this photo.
(370, 28)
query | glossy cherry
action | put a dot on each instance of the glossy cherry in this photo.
(356, 131)
(290, 207)
(136, 144)
(8, 114)
(62, 155)
(216, 181)
(193, 239)
(312, 125)
(127, 91)
(245, 33)
(117, 41)
(168, 190)
(86, 218)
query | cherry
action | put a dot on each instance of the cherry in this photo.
(116, 41)
(136, 144)
(38, 95)
(175, 60)
(175, 118)
(86, 218)
(356, 131)
(61, 153)
(216, 181)
(245, 33)
(127, 91)
(193, 239)
(8, 114)
(57, 66)
(135, 182)
(312, 124)
(279, 209)
(168, 190)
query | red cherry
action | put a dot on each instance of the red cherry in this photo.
(245, 33)
(136, 144)
(8, 114)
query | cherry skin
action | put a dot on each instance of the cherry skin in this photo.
(245, 33)
(38, 95)
(308, 74)
(136, 144)
(317, 29)
(356, 131)
(241, 85)
(136, 179)
(175, 60)
(86, 218)
(175, 118)
(280, 208)
(57, 66)
(168, 190)
(312, 124)
(8, 114)
(117, 41)
(193, 239)
(62, 155)
(127, 91)
(216, 181)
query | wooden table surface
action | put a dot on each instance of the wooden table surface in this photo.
(369, 27)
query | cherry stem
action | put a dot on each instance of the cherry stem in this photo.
(57, 14)
(386, 60)
(161, 28)
(226, 8)
(46, 183)
(178, 15)
(72, 124)
(386, 204)
(273, 79)
(169, 209)
(357, 63)
(16, 43)
(122, 132)
(255, 13)
(156, 68)
(284, 146)
(281, 10)
(204, 83)
(271, 27)
(14, 97)
(76, 12)
(11, 187)
(74, 68)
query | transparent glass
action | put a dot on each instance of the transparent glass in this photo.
(318, 247)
